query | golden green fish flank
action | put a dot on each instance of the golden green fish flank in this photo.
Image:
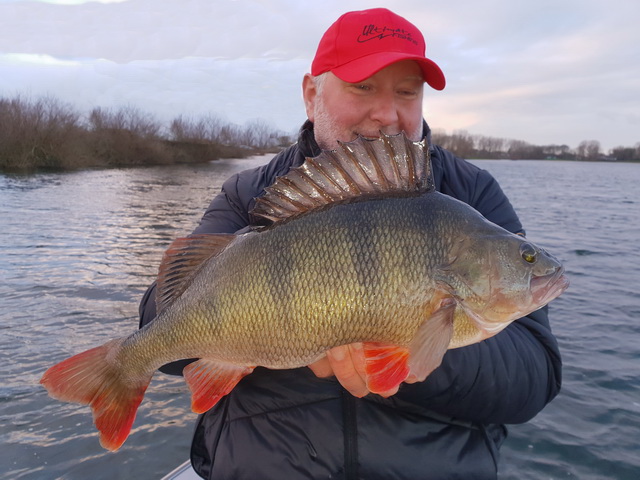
(282, 297)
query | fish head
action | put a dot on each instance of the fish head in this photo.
(499, 277)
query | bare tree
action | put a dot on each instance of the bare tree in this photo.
(259, 134)
(588, 150)
(490, 145)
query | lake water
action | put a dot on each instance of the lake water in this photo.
(77, 251)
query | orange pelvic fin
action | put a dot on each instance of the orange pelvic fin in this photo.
(210, 380)
(386, 366)
(88, 378)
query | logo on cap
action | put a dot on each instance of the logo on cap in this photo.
(371, 32)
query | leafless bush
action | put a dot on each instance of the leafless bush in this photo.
(36, 132)
(120, 147)
(127, 118)
(207, 129)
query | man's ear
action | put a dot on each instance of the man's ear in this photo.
(309, 95)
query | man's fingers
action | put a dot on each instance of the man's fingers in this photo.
(356, 351)
(348, 366)
(322, 368)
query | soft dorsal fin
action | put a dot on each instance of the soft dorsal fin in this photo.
(183, 257)
(388, 165)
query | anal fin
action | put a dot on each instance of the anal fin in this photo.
(210, 380)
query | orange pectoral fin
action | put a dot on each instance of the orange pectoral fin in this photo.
(386, 366)
(210, 380)
(431, 341)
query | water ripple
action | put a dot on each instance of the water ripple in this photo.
(77, 251)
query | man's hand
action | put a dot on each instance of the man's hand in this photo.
(347, 363)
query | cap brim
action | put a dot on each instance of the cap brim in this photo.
(364, 67)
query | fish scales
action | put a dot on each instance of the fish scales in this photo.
(345, 286)
(405, 270)
(356, 272)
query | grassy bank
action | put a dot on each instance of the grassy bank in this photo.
(46, 133)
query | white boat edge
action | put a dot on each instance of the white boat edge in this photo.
(183, 472)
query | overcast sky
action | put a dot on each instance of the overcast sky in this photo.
(547, 72)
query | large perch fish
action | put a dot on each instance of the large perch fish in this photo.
(358, 247)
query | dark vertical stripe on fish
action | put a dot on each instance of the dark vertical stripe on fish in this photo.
(364, 248)
(281, 270)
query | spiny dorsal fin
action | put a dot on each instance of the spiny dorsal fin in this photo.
(181, 260)
(363, 168)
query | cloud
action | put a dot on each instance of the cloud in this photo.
(544, 72)
(519, 72)
(153, 30)
(67, 2)
(235, 90)
(37, 59)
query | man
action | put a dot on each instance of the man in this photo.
(321, 422)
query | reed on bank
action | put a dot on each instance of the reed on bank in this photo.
(46, 133)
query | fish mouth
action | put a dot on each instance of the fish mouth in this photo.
(547, 287)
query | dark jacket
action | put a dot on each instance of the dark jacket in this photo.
(290, 424)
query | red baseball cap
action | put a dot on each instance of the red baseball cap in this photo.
(361, 43)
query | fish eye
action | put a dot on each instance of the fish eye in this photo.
(529, 253)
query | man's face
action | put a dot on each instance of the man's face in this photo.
(389, 101)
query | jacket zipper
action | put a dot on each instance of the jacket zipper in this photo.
(350, 423)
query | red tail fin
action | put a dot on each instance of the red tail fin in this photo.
(89, 379)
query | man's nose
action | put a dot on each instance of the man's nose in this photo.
(384, 110)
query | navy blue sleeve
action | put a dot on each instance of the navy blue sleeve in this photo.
(228, 211)
(508, 378)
